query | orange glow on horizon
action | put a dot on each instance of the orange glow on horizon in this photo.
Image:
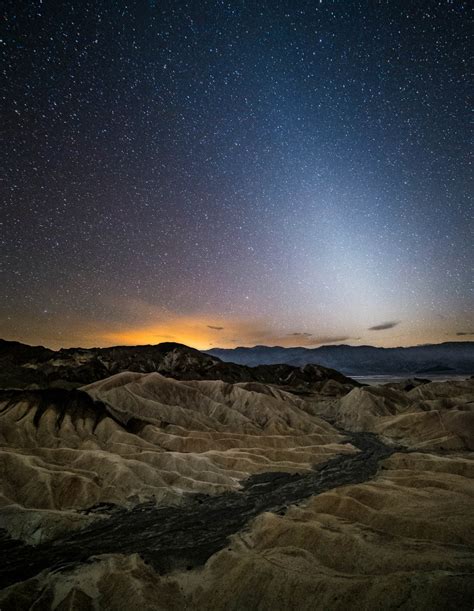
(196, 338)
(146, 325)
(191, 332)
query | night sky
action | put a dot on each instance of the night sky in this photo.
(236, 173)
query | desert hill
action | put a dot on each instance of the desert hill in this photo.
(436, 415)
(137, 437)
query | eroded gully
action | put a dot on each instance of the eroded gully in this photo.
(185, 537)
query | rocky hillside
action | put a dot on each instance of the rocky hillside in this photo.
(23, 366)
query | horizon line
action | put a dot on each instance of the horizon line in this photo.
(316, 347)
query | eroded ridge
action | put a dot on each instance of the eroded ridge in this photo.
(186, 536)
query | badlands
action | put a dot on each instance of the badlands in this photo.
(172, 480)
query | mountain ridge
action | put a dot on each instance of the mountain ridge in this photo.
(23, 366)
(452, 357)
(451, 343)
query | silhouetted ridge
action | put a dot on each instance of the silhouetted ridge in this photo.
(35, 367)
(448, 357)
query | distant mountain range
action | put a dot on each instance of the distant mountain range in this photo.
(431, 359)
(23, 366)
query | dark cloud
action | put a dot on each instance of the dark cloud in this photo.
(331, 339)
(310, 340)
(385, 325)
(214, 327)
(300, 334)
(465, 333)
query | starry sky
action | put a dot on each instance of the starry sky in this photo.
(225, 173)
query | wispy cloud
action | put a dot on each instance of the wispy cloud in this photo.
(385, 325)
(297, 334)
(310, 339)
(332, 339)
(465, 333)
(215, 327)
